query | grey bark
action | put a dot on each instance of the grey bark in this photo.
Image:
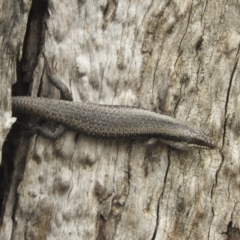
(13, 21)
(178, 57)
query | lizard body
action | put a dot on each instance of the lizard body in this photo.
(108, 121)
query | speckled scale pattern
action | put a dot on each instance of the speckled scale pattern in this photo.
(111, 121)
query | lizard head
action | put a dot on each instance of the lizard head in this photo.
(195, 138)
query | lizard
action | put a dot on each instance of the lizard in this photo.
(110, 121)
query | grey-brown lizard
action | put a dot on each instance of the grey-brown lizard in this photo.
(108, 121)
(115, 121)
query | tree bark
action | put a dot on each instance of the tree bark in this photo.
(176, 57)
(13, 21)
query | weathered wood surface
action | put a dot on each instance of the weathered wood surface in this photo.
(13, 20)
(179, 57)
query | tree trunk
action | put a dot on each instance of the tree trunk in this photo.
(176, 57)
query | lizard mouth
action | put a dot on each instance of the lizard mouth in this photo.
(209, 144)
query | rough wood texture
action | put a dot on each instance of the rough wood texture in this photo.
(13, 20)
(180, 57)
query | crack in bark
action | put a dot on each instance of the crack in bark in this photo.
(34, 38)
(190, 11)
(157, 218)
(227, 99)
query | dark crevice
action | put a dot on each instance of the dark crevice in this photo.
(199, 44)
(10, 171)
(168, 166)
(34, 39)
(232, 233)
